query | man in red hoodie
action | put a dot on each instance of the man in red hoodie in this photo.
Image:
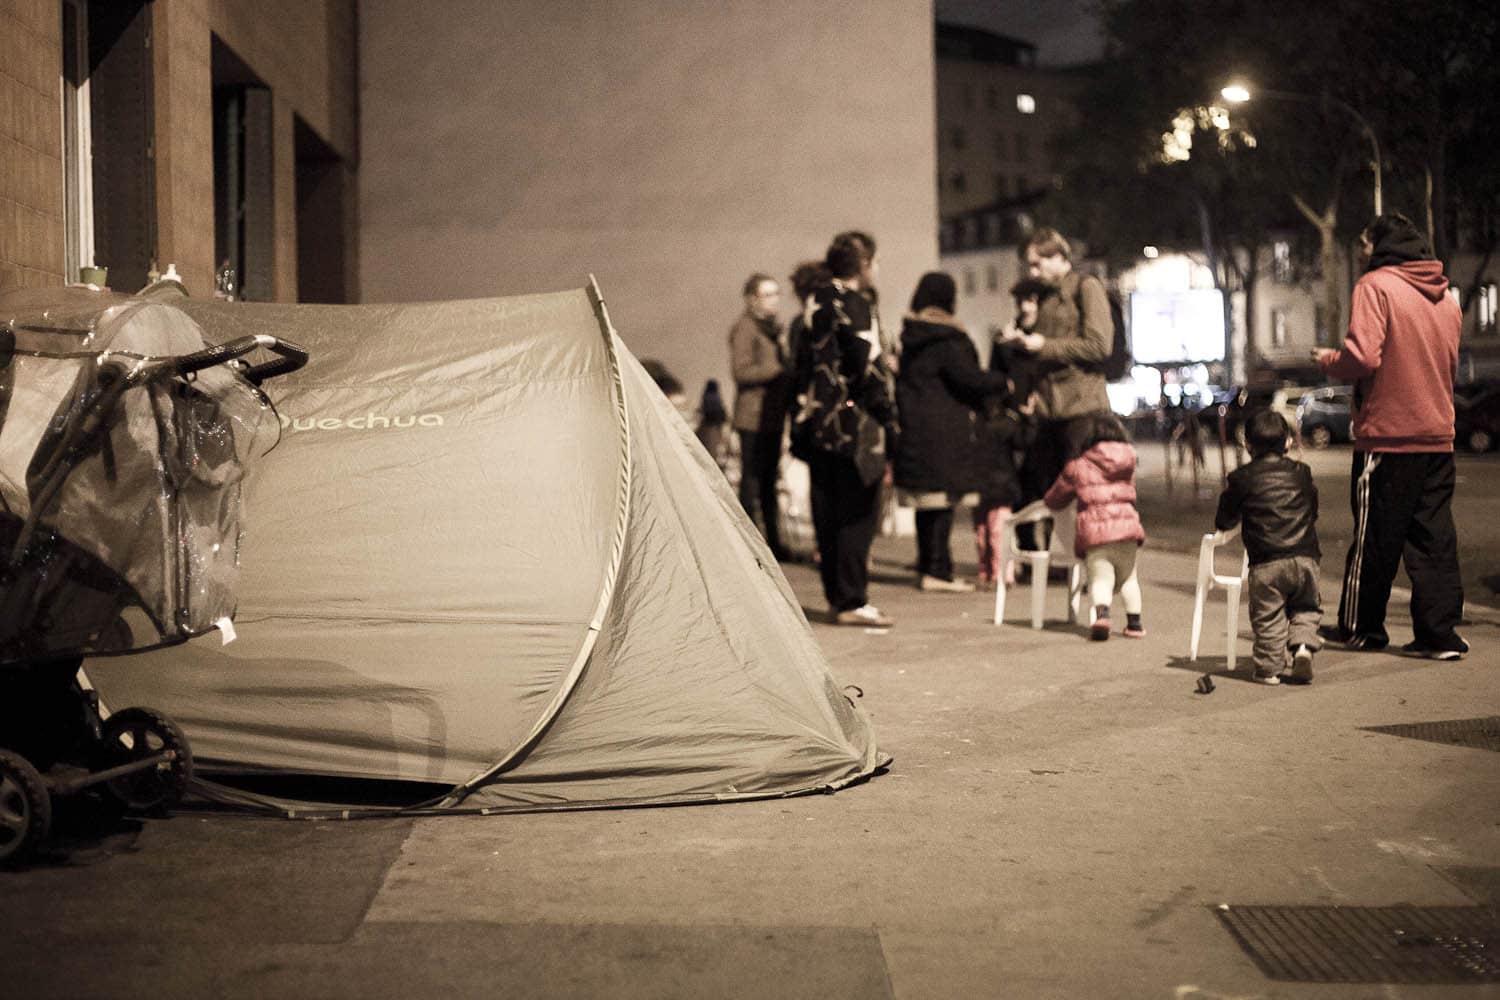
(1402, 353)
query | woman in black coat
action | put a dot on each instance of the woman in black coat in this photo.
(938, 389)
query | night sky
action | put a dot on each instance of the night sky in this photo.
(1064, 31)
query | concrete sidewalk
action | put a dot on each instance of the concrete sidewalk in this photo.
(1060, 818)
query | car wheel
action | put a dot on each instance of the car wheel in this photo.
(1480, 440)
(1319, 436)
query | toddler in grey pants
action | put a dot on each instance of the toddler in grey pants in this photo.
(1276, 501)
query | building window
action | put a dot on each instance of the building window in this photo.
(109, 165)
(1281, 261)
(958, 182)
(1278, 327)
(957, 138)
(1026, 104)
(78, 180)
(992, 229)
(969, 286)
(1489, 306)
(992, 278)
(244, 217)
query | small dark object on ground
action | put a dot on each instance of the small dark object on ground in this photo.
(1205, 684)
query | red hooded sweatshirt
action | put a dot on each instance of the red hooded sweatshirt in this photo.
(1402, 353)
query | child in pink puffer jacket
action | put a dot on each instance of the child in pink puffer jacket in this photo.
(1109, 528)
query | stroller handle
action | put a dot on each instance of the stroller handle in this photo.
(290, 357)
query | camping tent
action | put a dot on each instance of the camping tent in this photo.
(488, 553)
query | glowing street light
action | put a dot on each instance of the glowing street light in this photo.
(1237, 93)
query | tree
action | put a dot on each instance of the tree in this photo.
(1302, 157)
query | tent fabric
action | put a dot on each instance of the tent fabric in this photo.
(488, 553)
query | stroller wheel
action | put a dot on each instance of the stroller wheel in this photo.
(133, 733)
(25, 808)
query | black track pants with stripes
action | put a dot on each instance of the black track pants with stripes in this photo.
(1403, 509)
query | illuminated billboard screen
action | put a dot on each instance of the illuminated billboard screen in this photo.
(1176, 327)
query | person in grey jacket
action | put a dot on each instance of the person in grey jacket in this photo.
(763, 392)
(1072, 340)
(1275, 499)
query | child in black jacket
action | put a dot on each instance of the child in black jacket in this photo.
(1274, 497)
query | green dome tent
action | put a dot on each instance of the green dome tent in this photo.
(488, 554)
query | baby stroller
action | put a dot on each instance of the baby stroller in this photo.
(124, 437)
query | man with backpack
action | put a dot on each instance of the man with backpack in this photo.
(1074, 343)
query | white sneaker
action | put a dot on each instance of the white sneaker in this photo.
(937, 583)
(1302, 672)
(868, 616)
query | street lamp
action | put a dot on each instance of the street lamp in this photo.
(1239, 94)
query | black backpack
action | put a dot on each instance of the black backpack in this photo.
(1118, 364)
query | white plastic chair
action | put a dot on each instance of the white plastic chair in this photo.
(1208, 579)
(1040, 560)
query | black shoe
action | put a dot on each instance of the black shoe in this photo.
(1456, 650)
(1332, 633)
(1355, 640)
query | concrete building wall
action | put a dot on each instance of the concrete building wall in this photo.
(671, 148)
(31, 168)
(303, 49)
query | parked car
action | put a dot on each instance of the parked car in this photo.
(1237, 404)
(1476, 416)
(1324, 415)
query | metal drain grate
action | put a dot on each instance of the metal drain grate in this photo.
(1370, 944)
(1480, 734)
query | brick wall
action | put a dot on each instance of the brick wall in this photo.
(303, 49)
(31, 170)
(184, 141)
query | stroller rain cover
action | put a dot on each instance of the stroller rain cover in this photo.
(119, 483)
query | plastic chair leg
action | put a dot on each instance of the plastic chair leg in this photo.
(1232, 619)
(1000, 599)
(1198, 596)
(1038, 590)
(1077, 583)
